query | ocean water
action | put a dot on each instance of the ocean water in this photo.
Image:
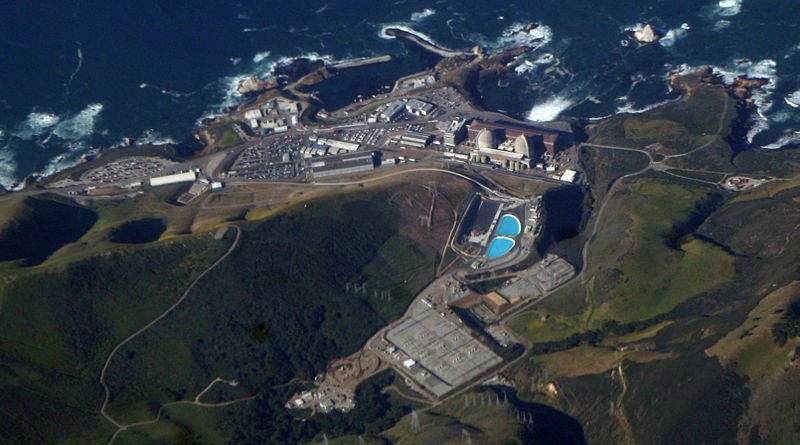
(78, 76)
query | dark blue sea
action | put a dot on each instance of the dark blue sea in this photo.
(78, 76)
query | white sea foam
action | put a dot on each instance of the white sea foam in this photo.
(628, 107)
(518, 34)
(261, 56)
(152, 137)
(789, 138)
(321, 10)
(549, 109)
(35, 125)
(672, 36)
(721, 24)
(728, 8)
(64, 160)
(419, 16)
(80, 125)
(8, 168)
(382, 33)
(793, 100)
(76, 71)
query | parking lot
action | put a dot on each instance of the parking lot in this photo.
(127, 168)
(272, 158)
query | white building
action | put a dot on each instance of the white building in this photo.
(189, 176)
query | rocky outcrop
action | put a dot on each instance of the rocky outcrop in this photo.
(648, 34)
(255, 85)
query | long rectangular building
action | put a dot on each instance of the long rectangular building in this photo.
(189, 176)
(342, 164)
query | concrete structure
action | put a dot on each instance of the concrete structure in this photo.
(455, 132)
(323, 146)
(455, 156)
(414, 140)
(511, 146)
(482, 221)
(392, 110)
(157, 181)
(569, 175)
(417, 107)
(342, 164)
(444, 354)
(198, 188)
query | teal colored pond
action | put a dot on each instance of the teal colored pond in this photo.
(500, 246)
(509, 225)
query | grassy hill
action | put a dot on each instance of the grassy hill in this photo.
(681, 328)
(270, 316)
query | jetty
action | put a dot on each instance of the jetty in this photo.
(423, 42)
(362, 61)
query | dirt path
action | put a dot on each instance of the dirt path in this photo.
(103, 408)
(619, 411)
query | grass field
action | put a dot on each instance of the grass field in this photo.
(641, 263)
(703, 116)
(751, 348)
(60, 322)
(653, 277)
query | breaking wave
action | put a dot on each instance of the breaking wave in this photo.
(524, 34)
(8, 169)
(727, 8)
(549, 109)
(259, 57)
(790, 138)
(36, 125)
(80, 125)
(382, 33)
(419, 16)
(152, 137)
(793, 99)
(673, 35)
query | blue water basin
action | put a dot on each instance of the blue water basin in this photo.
(509, 225)
(500, 246)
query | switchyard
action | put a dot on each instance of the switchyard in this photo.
(438, 353)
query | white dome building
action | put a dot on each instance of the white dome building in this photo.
(486, 139)
(521, 145)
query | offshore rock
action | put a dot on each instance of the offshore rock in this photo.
(648, 34)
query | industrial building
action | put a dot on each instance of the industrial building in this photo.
(189, 176)
(342, 164)
(417, 107)
(454, 132)
(324, 147)
(414, 140)
(510, 146)
(392, 111)
(198, 188)
(480, 219)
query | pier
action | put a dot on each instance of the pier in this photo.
(363, 61)
(425, 43)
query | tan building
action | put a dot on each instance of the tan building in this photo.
(510, 146)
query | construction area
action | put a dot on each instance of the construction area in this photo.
(335, 388)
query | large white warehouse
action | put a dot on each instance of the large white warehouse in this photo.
(173, 179)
